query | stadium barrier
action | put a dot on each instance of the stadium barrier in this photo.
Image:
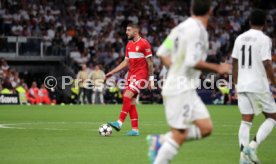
(20, 46)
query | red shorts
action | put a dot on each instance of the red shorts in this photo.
(136, 86)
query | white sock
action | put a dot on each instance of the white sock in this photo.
(137, 130)
(120, 123)
(167, 151)
(263, 131)
(194, 133)
(244, 133)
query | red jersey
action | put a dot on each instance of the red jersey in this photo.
(43, 92)
(33, 92)
(137, 52)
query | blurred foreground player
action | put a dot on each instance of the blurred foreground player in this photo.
(184, 52)
(251, 67)
(140, 75)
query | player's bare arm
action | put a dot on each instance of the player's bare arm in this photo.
(218, 68)
(235, 70)
(121, 66)
(269, 71)
(166, 60)
(151, 76)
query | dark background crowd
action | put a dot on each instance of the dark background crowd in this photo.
(93, 32)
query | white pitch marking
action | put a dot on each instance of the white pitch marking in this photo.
(38, 123)
(3, 126)
(33, 123)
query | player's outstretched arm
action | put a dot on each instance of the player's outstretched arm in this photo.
(121, 66)
(218, 68)
(269, 71)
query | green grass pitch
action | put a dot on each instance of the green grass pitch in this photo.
(69, 135)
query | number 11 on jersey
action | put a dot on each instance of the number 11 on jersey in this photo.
(243, 49)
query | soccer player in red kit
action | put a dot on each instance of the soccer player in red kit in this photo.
(140, 75)
(44, 95)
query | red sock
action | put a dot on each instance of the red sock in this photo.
(125, 109)
(133, 117)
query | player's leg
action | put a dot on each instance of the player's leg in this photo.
(247, 112)
(202, 128)
(128, 94)
(94, 95)
(83, 95)
(101, 96)
(32, 100)
(80, 96)
(45, 100)
(126, 104)
(155, 141)
(264, 130)
(171, 145)
(37, 100)
(101, 90)
(140, 84)
(86, 96)
(266, 103)
(269, 110)
(133, 118)
(180, 113)
(89, 95)
(163, 148)
(244, 130)
(202, 124)
(48, 100)
(244, 137)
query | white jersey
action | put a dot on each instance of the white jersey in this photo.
(251, 49)
(187, 44)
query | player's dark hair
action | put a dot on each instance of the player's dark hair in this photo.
(200, 7)
(134, 25)
(257, 17)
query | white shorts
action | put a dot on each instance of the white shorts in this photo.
(181, 110)
(255, 103)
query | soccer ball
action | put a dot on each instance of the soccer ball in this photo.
(105, 130)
